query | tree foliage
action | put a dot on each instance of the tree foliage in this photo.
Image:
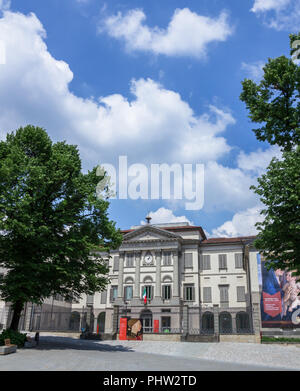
(279, 233)
(274, 102)
(51, 220)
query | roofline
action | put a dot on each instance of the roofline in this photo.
(182, 228)
(239, 239)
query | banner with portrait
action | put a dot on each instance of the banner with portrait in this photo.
(280, 295)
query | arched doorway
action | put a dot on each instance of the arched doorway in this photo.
(242, 323)
(75, 321)
(225, 323)
(208, 326)
(101, 322)
(146, 318)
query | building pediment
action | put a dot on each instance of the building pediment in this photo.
(149, 233)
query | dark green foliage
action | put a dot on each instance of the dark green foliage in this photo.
(50, 221)
(15, 337)
(274, 102)
(279, 233)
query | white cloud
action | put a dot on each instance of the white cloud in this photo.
(267, 5)
(163, 215)
(188, 34)
(254, 70)
(227, 188)
(258, 161)
(279, 14)
(5, 5)
(156, 123)
(242, 224)
(140, 127)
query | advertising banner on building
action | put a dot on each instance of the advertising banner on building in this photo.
(280, 295)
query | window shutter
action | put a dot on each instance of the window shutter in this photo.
(116, 263)
(238, 261)
(90, 299)
(224, 294)
(241, 296)
(205, 262)
(111, 295)
(193, 293)
(222, 261)
(142, 291)
(207, 295)
(188, 260)
(103, 297)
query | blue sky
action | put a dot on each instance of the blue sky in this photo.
(156, 81)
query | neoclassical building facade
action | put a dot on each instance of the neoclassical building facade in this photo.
(193, 285)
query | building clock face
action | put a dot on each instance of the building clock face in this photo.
(148, 258)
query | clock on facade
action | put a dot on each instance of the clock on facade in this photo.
(148, 258)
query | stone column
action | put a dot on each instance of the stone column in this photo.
(175, 275)
(216, 319)
(115, 320)
(158, 274)
(256, 319)
(120, 276)
(233, 318)
(185, 320)
(137, 292)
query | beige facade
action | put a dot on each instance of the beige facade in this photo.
(194, 285)
(185, 275)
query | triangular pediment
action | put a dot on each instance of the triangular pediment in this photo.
(149, 233)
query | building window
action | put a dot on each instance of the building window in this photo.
(189, 292)
(225, 323)
(166, 292)
(208, 324)
(207, 295)
(128, 292)
(103, 297)
(188, 260)
(205, 262)
(243, 323)
(241, 294)
(167, 258)
(113, 293)
(129, 260)
(149, 292)
(224, 297)
(238, 261)
(222, 261)
(116, 264)
(89, 299)
(166, 324)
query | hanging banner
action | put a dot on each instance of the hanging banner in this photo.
(156, 326)
(123, 329)
(280, 295)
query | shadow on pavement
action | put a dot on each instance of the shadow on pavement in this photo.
(61, 343)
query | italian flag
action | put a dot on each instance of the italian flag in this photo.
(145, 296)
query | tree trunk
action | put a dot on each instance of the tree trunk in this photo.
(17, 308)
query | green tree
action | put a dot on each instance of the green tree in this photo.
(274, 103)
(51, 222)
(279, 233)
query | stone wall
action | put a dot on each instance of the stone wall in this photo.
(253, 338)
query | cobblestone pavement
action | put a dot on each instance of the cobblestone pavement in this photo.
(62, 353)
